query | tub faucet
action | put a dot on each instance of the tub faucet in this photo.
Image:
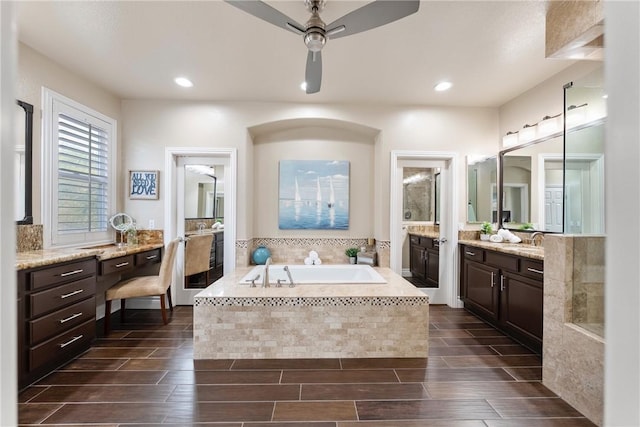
(265, 278)
(291, 284)
(534, 235)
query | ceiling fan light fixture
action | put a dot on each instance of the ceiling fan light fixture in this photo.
(443, 86)
(183, 82)
(303, 86)
(314, 40)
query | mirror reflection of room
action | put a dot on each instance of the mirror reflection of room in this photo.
(482, 203)
(203, 196)
(418, 194)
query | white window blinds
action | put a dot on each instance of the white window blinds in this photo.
(83, 176)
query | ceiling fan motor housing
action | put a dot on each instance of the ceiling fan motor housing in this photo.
(314, 36)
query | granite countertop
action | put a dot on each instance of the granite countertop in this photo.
(205, 231)
(433, 234)
(31, 259)
(519, 249)
(229, 287)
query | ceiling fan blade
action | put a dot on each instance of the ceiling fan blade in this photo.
(372, 15)
(267, 13)
(313, 74)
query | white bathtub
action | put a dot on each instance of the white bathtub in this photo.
(317, 274)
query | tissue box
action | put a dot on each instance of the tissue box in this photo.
(368, 258)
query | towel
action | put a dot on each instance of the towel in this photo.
(308, 261)
(509, 236)
(313, 255)
(496, 238)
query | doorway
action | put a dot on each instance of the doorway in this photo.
(176, 160)
(446, 292)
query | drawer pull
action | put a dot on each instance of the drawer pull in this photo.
(70, 294)
(71, 273)
(73, 316)
(152, 256)
(492, 276)
(122, 264)
(501, 283)
(533, 270)
(470, 253)
(71, 341)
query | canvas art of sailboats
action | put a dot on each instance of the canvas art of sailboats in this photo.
(332, 195)
(313, 194)
(297, 193)
(318, 192)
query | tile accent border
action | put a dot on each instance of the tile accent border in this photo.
(311, 301)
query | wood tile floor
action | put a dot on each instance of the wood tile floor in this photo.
(143, 374)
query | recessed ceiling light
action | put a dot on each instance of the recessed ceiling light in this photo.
(183, 81)
(442, 86)
(303, 86)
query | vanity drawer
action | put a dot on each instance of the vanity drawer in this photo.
(60, 296)
(473, 253)
(61, 346)
(116, 265)
(62, 273)
(499, 260)
(149, 257)
(61, 320)
(532, 268)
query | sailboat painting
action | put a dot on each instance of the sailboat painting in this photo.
(314, 195)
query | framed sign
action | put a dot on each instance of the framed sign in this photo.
(143, 185)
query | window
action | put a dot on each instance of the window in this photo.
(78, 190)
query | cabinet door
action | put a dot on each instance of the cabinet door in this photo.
(482, 292)
(417, 262)
(433, 267)
(521, 305)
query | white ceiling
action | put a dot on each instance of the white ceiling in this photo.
(491, 51)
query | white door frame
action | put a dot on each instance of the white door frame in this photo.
(448, 227)
(171, 226)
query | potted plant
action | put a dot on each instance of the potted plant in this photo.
(485, 230)
(351, 253)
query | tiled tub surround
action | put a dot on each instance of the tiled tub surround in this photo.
(291, 250)
(310, 321)
(573, 357)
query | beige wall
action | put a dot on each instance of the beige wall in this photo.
(544, 99)
(150, 126)
(147, 127)
(314, 143)
(35, 72)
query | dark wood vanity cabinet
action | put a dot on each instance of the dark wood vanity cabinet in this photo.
(56, 316)
(131, 265)
(424, 260)
(505, 290)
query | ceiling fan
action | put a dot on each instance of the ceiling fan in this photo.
(316, 32)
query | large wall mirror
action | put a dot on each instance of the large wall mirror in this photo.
(555, 183)
(23, 161)
(204, 192)
(482, 190)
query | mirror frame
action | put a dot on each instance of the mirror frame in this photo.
(28, 158)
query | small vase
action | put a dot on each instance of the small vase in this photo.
(485, 237)
(260, 255)
(352, 260)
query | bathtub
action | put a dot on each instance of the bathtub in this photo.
(345, 274)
